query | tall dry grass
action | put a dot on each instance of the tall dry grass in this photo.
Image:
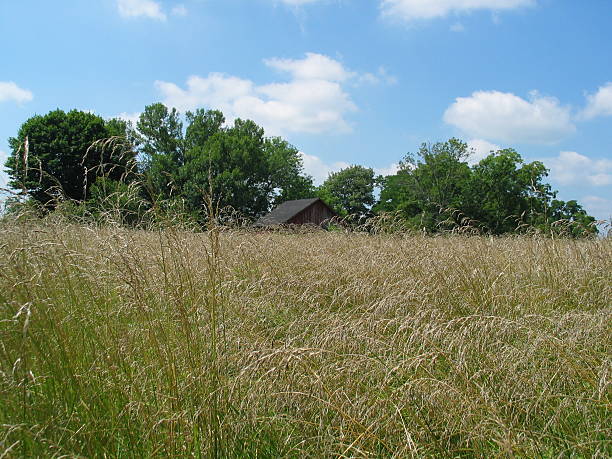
(126, 343)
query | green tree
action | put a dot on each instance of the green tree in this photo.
(59, 154)
(500, 194)
(350, 191)
(430, 187)
(159, 134)
(241, 167)
(201, 126)
(287, 180)
(570, 218)
(504, 191)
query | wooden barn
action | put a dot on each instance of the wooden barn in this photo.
(299, 212)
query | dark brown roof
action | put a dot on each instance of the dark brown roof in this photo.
(286, 211)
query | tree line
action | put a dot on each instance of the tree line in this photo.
(176, 162)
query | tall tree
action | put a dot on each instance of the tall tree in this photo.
(241, 167)
(201, 126)
(504, 191)
(161, 144)
(430, 187)
(350, 191)
(54, 154)
(287, 179)
(500, 194)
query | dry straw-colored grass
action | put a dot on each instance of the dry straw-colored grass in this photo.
(125, 343)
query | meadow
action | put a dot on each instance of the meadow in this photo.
(234, 343)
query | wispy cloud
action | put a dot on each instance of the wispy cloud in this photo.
(179, 10)
(9, 91)
(130, 117)
(296, 2)
(480, 149)
(141, 8)
(457, 27)
(411, 10)
(598, 207)
(391, 169)
(380, 77)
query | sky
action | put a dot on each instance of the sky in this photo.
(345, 81)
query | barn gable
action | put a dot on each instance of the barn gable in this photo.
(298, 212)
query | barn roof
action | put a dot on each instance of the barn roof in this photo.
(286, 211)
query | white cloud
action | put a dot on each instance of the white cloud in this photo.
(381, 76)
(319, 170)
(508, 118)
(313, 67)
(457, 27)
(480, 149)
(410, 10)
(598, 104)
(387, 170)
(312, 101)
(131, 117)
(571, 168)
(136, 8)
(179, 10)
(9, 91)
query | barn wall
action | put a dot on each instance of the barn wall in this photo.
(314, 215)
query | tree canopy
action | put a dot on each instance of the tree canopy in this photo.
(181, 161)
(55, 154)
(437, 188)
(237, 164)
(350, 191)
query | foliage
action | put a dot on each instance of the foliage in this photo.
(501, 194)
(237, 164)
(350, 191)
(166, 162)
(52, 155)
(428, 188)
(159, 134)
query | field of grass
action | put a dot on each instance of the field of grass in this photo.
(124, 343)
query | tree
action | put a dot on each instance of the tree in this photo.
(504, 192)
(569, 218)
(161, 145)
(287, 178)
(501, 194)
(430, 187)
(231, 164)
(59, 154)
(241, 167)
(350, 191)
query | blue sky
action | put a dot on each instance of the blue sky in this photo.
(345, 81)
